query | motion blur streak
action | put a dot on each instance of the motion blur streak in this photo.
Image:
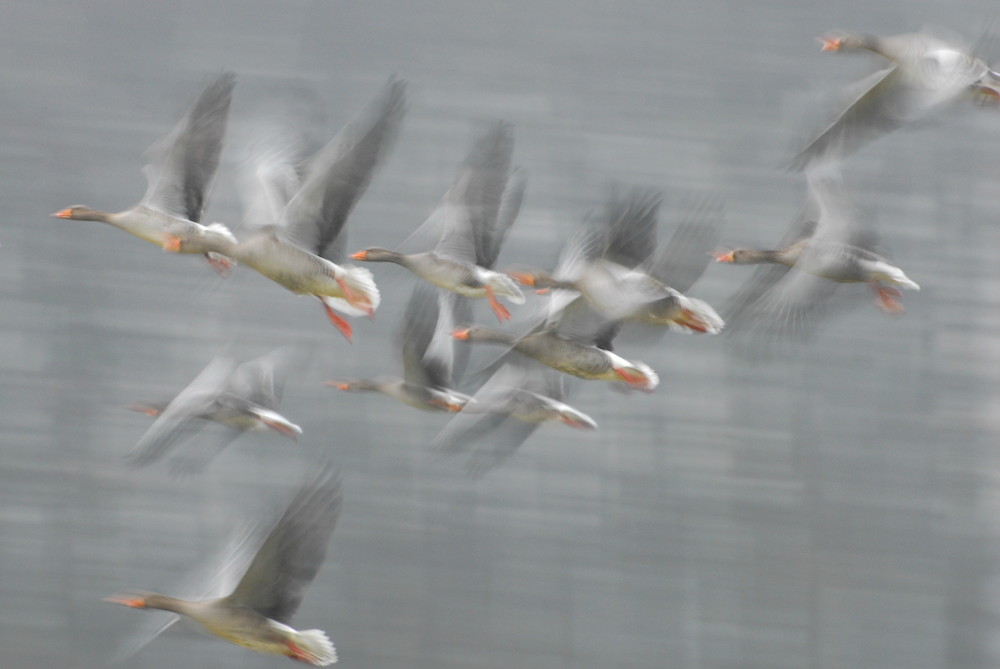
(833, 507)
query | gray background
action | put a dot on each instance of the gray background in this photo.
(835, 507)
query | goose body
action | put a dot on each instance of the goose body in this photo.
(569, 356)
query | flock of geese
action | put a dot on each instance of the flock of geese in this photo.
(611, 274)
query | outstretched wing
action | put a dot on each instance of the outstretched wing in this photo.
(339, 174)
(469, 210)
(293, 551)
(180, 416)
(875, 106)
(182, 165)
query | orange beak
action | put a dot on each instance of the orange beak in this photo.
(125, 600)
(830, 43)
(65, 213)
(339, 385)
(724, 256)
(360, 255)
(149, 411)
(522, 278)
(461, 333)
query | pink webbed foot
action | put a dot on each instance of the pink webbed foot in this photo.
(634, 380)
(338, 322)
(503, 314)
(221, 264)
(172, 243)
(887, 299)
(354, 299)
(299, 654)
(578, 424)
(692, 321)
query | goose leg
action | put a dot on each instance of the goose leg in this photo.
(636, 381)
(355, 300)
(887, 298)
(172, 243)
(692, 321)
(503, 314)
(338, 322)
(220, 263)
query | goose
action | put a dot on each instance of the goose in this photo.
(298, 214)
(241, 397)
(475, 215)
(826, 247)
(257, 612)
(926, 73)
(517, 398)
(180, 173)
(576, 341)
(647, 289)
(428, 355)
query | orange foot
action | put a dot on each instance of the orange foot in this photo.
(172, 243)
(446, 406)
(578, 424)
(299, 654)
(281, 428)
(633, 380)
(354, 299)
(522, 278)
(691, 321)
(338, 322)
(887, 298)
(503, 314)
(988, 95)
(221, 264)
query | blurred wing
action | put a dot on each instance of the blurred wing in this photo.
(293, 551)
(584, 246)
(493, 237)
(585, 325)
(181, 166)
(261, 380)
(507, 437)
(629, 222)
(486, 424)
(178, 419)
(790, 308)
(682, 260)
(834, 213)
(443, 361)
(877, 105)
(469, 210)
(268, 182)
(191, 459)
(337, 176)
(755, 299)
(420, 323)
